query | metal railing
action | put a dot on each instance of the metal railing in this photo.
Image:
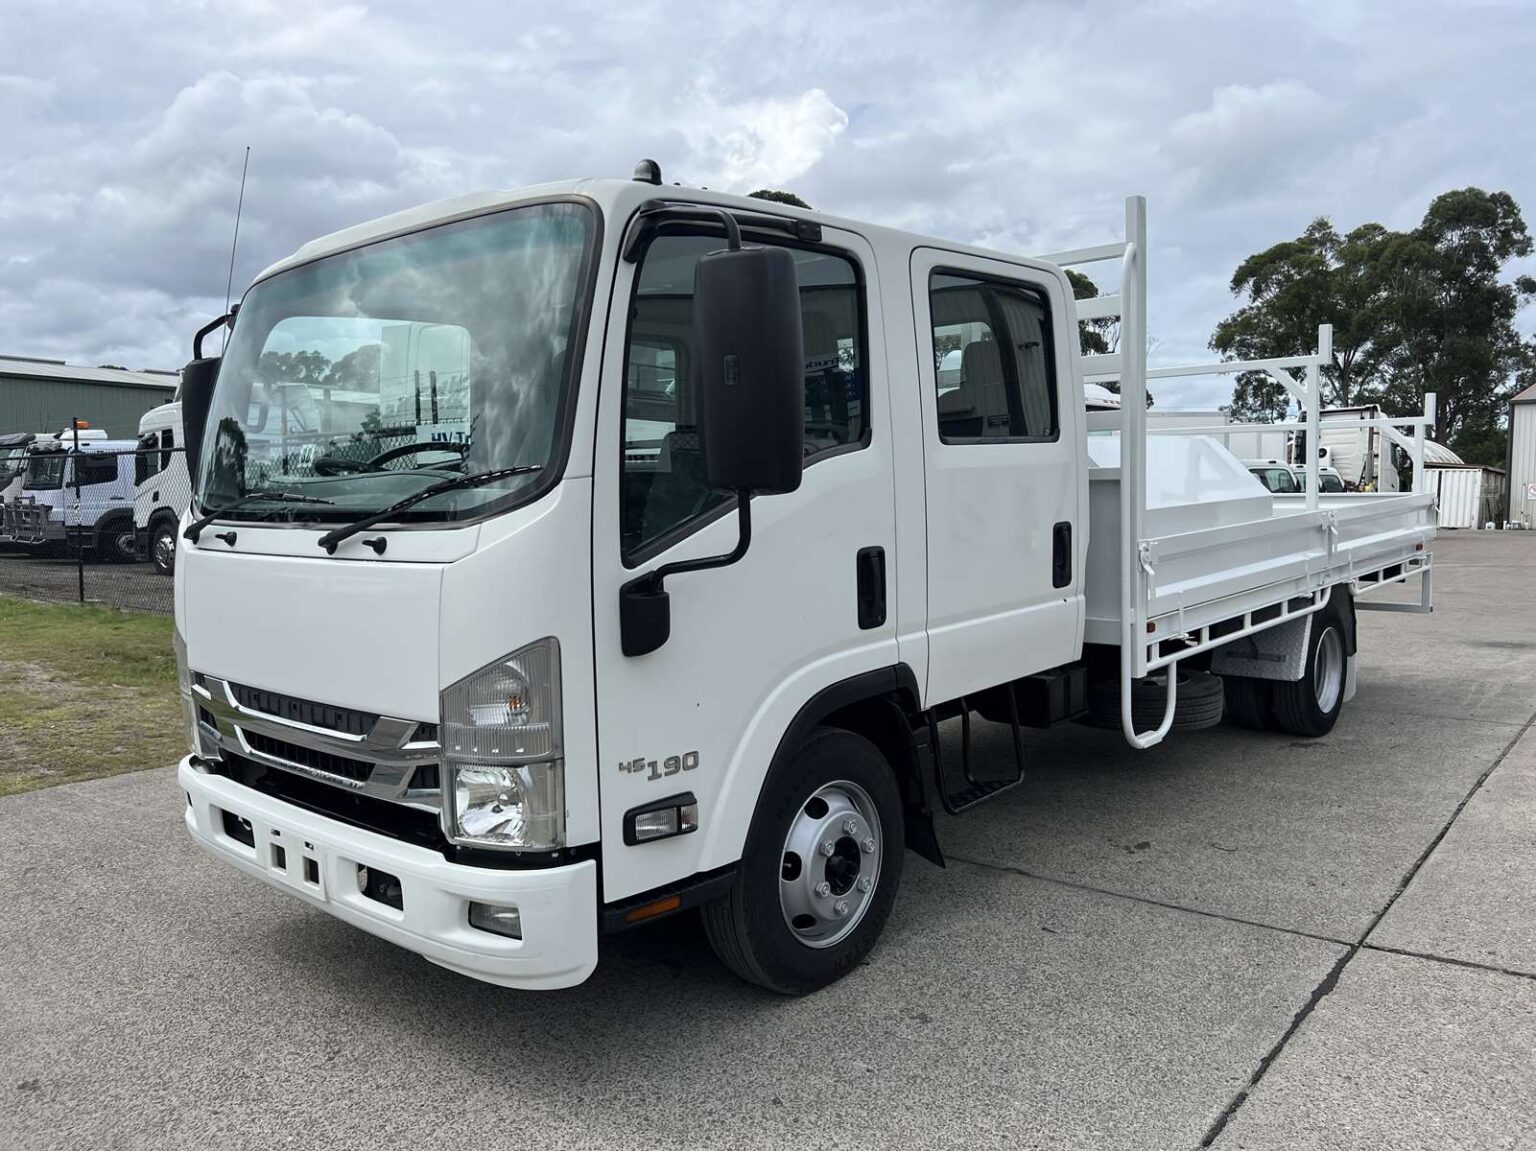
(1301, 377)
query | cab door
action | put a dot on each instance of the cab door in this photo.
(752, 642)
(1005, 483)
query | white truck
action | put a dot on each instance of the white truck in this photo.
(161, 488)
(76, 494)
(584, 673)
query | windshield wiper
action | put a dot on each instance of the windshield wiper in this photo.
(473, 480)
(195, 528)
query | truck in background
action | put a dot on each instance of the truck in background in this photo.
(162, 489)
(76, 496)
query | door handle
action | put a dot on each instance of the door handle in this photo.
(1061, 554)
(870, 566)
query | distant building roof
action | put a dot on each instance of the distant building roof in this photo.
(58, 370)
(1440, 456)
(1526, 397)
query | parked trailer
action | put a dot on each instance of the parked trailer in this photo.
(689, 636)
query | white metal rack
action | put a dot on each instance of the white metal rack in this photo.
(1177, 597)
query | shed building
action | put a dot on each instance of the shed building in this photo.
(1467, 495)
(1522, 458)
(44, 395)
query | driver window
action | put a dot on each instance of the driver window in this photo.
(663, 489)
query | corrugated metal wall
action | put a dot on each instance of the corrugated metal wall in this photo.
(1522, 464)
(1467, 497)
(34, 405)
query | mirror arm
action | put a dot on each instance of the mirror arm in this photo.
(210, 327)
(645, 612)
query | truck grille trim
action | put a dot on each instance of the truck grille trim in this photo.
(304, 711)
(392, 760)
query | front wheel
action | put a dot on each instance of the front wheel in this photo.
(162, 547)
(819, 874)
(116, 542)
(1310, 706)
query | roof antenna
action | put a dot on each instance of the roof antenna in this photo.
(233, 244)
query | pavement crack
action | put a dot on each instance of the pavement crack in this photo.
(1144, 899)
(1429, 957)
(1331, 980)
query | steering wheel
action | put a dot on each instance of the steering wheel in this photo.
(342, 466)
(378, 461)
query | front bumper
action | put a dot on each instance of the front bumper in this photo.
(558, 905)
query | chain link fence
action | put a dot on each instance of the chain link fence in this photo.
(93, 521)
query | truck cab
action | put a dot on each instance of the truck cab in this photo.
(681, 533)
(161, 488)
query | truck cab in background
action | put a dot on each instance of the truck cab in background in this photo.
(162, 489)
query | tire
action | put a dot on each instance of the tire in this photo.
(832, 782)
(162, 547)
(1199, 703)
(115, 542)
(1250, 702)
(1310, 706)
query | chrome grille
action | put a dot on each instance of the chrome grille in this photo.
(379, 756)
(304, 711)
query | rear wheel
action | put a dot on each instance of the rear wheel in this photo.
(162, 547)
(1310, 706)
(1249, 701)
(819, 874)
(115, 541)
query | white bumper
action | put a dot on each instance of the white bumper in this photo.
(558, 905)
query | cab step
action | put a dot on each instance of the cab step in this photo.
(960, 795)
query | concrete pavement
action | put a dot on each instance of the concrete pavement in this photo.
(1242, 940)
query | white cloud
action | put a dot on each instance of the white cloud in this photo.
(756, 143)
(1021, 125)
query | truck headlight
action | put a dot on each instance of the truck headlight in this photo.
(504, 780)
(184, 688)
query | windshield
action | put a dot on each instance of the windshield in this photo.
(12, 461)
(45, 470)
(367, 376)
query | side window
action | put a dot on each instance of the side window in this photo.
(144, 458)
(96, 468)
(167, 442)
(663, 477)
(994, 360)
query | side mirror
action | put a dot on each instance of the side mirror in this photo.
(197, 380)
(749, 380)
(750, 369)
(196, 392)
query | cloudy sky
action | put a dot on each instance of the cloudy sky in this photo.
(1016, 125)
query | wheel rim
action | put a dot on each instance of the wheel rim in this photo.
(124, 544)
(165, 549)
(1328, 669)
(830, 866)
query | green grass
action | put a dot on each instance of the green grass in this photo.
(84, 692)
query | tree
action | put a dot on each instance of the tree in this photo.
(779, 197)
(1291, 288)
(294, 367)
(1412, 312)
(1449, 326)
(358, 370)
(1098, 337)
